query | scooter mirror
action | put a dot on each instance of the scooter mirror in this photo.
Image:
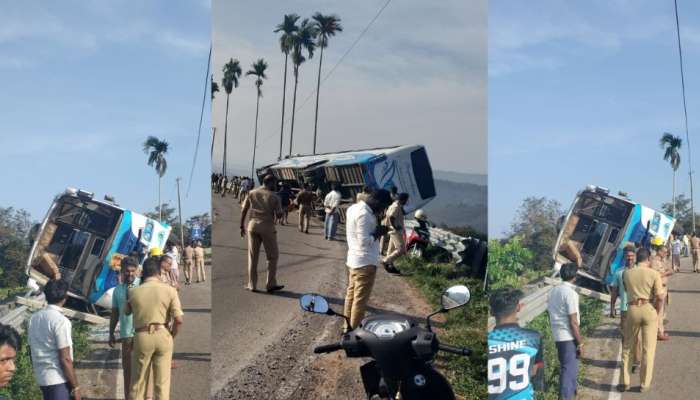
(314, 303)
(454, 297)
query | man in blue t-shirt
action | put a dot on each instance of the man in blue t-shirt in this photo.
(515, 366)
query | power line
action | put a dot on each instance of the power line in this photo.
(330, 72)
(201, 117)
(685, 114)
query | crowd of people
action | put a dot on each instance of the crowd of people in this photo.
(238, 186)
(146, 308)
(640, 287)
(374, 226)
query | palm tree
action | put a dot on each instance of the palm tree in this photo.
(258, 69)
(214, 87)
(232, 71)
(671, 144)
(156, 150)
(327, 26)
(288, 27)
(302, 39)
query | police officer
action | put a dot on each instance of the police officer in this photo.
(199, 262)
(660, 264)
(641, 283)
(695, 249)
(305, 201)
(263, 206)
(152, 304)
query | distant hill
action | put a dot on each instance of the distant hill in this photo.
(459, 204)
(461, 177)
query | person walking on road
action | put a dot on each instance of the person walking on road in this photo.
(152, 305)
(305, 201)
(641, 283)
(676, 250)
(695, 250)
(199, 262)
(51, 343)
(660, 264)
(188, 257)
(363, 233)
(285, 195)
(129, 279)
(564, 319)
(263, 206)
(394, 220)
(331, 203)
(10, 344)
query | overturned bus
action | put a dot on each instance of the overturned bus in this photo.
(82, 240)
(406, 167)
(598, 226)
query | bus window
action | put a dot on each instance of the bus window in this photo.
(74, 250)
(60, 239)
(97, 247)
(613, 236)
(423, 173)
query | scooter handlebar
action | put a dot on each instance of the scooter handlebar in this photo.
(328, 348)
(455, 350)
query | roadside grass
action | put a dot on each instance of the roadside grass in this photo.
(23, 386)
(591, 314)
(10, 292)
(465, 327)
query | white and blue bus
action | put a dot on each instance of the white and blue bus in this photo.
(82, 241)
(406, 167)
(599, 225)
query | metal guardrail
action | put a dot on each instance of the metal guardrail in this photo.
(442, 238)
(16, 317)
(535, 303)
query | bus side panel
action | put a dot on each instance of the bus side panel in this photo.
(107, 277)
(634, 233)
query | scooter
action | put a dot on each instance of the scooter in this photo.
(417, 240)
(401, 351)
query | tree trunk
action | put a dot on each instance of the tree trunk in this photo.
(284, 94)
(318, 92)
(674, 193)
(255, 140)
(294, 107)
(223, 168)
(160, 204)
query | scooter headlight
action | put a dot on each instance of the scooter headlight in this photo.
(386, 329)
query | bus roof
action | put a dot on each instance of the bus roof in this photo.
(339, 158)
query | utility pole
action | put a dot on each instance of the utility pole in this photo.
(179, 213)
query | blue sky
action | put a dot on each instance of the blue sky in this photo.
(418, 76)
(83, 85)
(580, 93)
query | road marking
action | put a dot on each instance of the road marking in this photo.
(614, 394)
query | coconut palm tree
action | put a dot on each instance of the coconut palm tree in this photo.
(288, 27)
(302, 39)
(258, 70)
(156, 150)
(328, 25)
(671, 144)
(214, 87)
(232, 71)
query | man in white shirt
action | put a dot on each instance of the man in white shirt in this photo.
(331, 203)
(51, 345)
(563, 308)
(676, 249)
(363, 233)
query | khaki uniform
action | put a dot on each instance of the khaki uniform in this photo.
(263, 207)
(662, 267)
(188, 254)
(360, 283)
(152, 304)
(199, 264)
(695, 251)
(641, 283)
(396, 242)
(305, 200)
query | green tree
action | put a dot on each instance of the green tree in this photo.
(232, 71)
(14, 246)
(671, 144)
(684, 219)
(328, 25)
(156, 150)
(507, 262)
(258, 70)
(214, 87)
(536, 225)
(302, 40)
(287, 27)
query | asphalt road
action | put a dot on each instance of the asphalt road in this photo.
(190, 378)
(245, 324)
(676, 365)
